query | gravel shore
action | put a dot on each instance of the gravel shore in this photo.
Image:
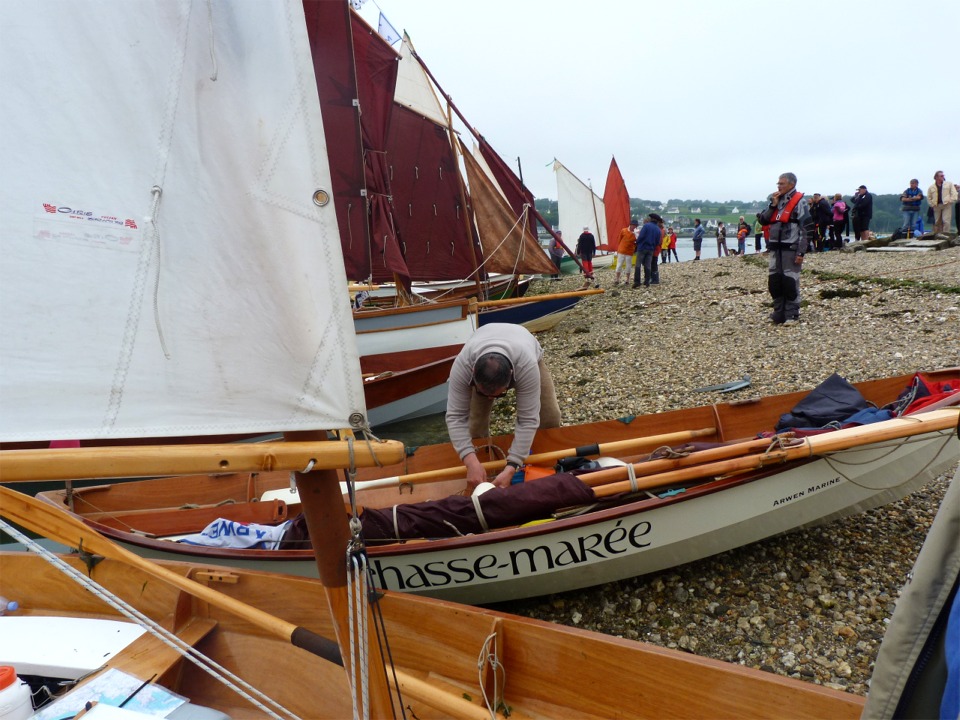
(812, 604)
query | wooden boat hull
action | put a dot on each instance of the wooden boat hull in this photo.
(613, 677)
(391, 330)
(632, 539)
(406, 385)
(536, 316)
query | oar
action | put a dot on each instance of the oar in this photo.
(538, 298)
(46, 520)
(700, 457)
(620, 446)
(65, 529)
(862, 435)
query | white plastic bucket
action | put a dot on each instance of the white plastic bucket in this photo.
(14, 696)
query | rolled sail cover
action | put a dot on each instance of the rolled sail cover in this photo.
(457, 515)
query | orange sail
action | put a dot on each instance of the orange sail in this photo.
(616, 202)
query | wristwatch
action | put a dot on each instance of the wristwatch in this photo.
(511, 463)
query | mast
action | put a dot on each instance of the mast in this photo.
(596, 220)
(463, 201)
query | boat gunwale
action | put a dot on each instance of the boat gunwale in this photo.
(416, 546)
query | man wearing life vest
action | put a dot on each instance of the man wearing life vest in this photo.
(792, 231)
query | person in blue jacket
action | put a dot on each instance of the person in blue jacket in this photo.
(647, 242)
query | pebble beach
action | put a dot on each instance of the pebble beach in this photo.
(813, 604)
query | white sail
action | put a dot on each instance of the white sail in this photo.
(414, 89)
(217, 306)
(578, 207)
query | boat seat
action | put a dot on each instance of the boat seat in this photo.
(84, 643)
(179, 521)
(291, 497)
(146, 658)
(148, 655)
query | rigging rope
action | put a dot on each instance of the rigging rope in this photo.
(361, 591)
(833, 461)
(358, 660)
(488, 656)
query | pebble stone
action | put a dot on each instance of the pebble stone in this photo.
(812, 604)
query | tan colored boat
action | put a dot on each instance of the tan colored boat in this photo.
(446, 655)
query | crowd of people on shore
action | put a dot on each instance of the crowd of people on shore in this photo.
(791, 224)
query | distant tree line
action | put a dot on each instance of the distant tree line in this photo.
(886, 210)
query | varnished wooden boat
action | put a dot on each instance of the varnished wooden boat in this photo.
(734, 494)
(438, 671)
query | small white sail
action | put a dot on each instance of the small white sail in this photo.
(218, 305)
(414, 89)
(578, 207)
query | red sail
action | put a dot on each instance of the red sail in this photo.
(616, 203)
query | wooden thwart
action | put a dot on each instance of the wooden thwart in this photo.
(177, 521)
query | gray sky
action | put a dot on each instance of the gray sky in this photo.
(840, 93)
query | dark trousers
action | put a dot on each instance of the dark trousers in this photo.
(860, 226)
(783, 281)
(644, 265)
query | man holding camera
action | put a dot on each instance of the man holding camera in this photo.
(862, 211)
(792, 231)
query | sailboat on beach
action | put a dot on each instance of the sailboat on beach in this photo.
(616, 204)
(410, 221)
(173, 269)
(580, 207)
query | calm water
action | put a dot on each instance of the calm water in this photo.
(709, 247)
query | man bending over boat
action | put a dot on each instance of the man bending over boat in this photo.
(497, 357)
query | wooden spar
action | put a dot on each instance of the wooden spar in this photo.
(118, 462)
(596, 220)
(538, 298)
(634, 445)
(861, 436)
(481, 139)
(469, 226)
(61, 527)
(322, 504)
(701, 457)
(323, 511)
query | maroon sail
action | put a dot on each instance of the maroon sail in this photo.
(356, 75)
(434, 226)
(376, 65)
